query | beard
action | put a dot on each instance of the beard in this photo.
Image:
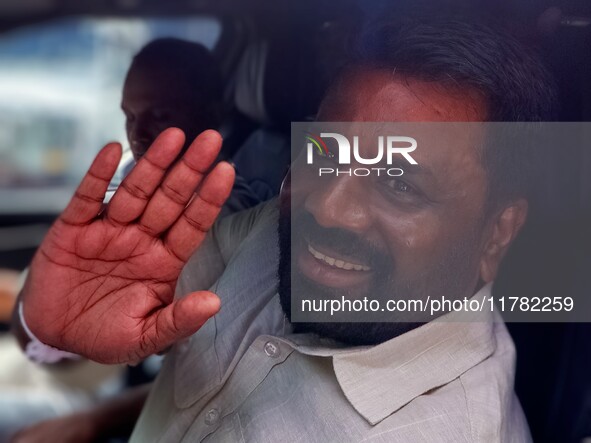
(444, 276)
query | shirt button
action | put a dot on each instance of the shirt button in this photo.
(184, 346)
(212, 416)
(272, 349)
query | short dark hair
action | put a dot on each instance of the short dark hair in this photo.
(459, 53)
(192, 63)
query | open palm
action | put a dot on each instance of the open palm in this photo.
(102, 282)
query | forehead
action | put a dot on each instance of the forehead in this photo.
(449, 154)
(377, 95)
(154, 83)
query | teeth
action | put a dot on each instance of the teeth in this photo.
(337, 263)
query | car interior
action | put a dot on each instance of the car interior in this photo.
(61, 61)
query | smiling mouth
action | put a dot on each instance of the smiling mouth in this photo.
(337, 263)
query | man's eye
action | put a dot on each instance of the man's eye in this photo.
(399, 186)
(160, 114)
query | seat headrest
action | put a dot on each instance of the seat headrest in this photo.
(279, 81)
(250, 82)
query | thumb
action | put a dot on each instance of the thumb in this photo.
(183, 318)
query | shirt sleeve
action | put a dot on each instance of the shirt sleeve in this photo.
(241, 198)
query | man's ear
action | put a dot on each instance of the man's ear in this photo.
(507, 225)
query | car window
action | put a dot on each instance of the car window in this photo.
(60, 94)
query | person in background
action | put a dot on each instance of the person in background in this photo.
(170, 82)
(176, 83)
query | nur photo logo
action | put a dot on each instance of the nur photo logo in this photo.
(384, 151)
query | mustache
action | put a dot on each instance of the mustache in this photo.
(341, 241)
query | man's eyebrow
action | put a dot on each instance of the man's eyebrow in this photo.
(409, 168)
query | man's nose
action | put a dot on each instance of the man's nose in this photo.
(140, 130)
(341, 203)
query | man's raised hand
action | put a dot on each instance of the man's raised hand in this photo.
(102, 282)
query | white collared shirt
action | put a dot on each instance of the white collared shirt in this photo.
(244, 377)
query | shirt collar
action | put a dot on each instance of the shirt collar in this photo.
(379, 380)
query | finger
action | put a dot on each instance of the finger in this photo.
(23, 436)
(135, 191)
(87, 201)
(181, 319)
(178, 187)
(189, 230)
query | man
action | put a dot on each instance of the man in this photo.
(171, 82)
(102, 286)
(176, 83)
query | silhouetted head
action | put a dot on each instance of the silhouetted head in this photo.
(171, 83)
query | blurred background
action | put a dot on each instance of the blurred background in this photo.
(60, 96)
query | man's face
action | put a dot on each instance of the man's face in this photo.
(154, 100)
(414, 236)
